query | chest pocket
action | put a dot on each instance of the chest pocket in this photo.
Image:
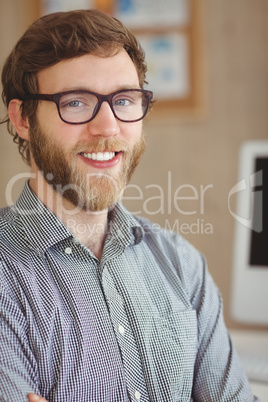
(169, 353)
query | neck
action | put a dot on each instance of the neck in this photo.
(88, 227)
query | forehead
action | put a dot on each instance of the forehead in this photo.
(92, 72)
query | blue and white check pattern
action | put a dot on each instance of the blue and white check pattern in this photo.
(143, 324)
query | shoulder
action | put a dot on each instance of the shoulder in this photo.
(167, 238)
(174, 253)
(170, 245)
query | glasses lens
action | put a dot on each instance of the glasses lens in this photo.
(130, 105)
(77, 107)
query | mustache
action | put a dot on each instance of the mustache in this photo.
(101, 145)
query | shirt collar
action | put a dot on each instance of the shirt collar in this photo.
(124, 226)
(43, 229)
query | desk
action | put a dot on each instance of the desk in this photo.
(255, 342)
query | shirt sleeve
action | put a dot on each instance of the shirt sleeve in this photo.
(218, 375)
(18, 374)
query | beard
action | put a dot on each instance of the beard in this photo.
(91, 191)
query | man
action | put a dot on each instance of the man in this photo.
(95, 304)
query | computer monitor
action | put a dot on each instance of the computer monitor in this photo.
(249, 303)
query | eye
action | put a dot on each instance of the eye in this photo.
(71, 103)
(122, 102)
(75, 103)
(128, 100)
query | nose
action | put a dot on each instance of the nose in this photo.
(104, 123)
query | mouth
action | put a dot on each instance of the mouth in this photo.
(99, 156)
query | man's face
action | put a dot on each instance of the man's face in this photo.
(69, 156)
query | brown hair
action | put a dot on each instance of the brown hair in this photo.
(57, 37)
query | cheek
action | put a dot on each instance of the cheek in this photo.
(132, 132)
(47, 112)
(58, 132)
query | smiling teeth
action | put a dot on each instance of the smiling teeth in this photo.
(100, 156)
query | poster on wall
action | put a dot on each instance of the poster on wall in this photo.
(167, 58)
(52, 6)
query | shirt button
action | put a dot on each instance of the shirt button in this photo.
(137, 395)
(68, 250)
(121, 329)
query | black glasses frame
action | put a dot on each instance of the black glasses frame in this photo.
(101, 98)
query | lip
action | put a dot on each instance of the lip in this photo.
(102, 164)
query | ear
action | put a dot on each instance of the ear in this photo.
(20, 123)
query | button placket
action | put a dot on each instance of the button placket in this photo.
(125, 338)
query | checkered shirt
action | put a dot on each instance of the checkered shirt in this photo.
(144, 323)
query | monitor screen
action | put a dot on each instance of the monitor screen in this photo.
(259, 240)
(249, 303)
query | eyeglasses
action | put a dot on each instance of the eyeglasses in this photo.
(81, 106)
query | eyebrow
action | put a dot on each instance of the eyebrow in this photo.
(120, 88)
